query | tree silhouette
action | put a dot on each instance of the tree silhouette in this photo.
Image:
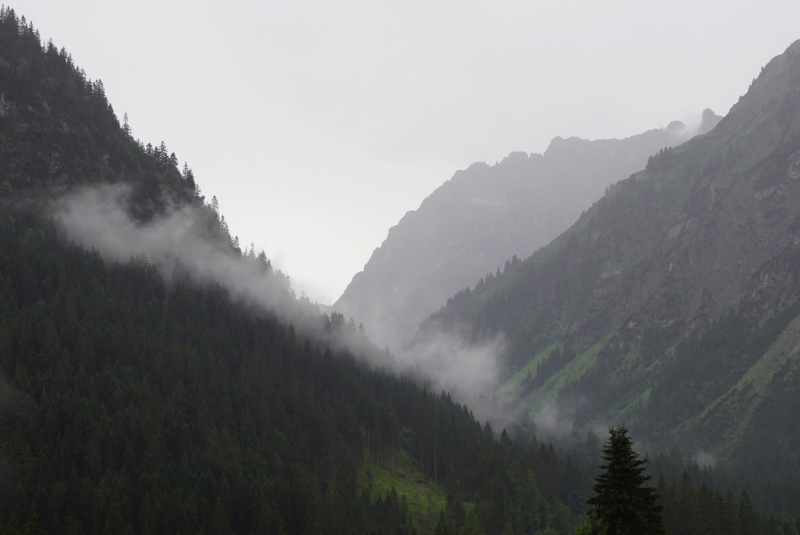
(622, 502)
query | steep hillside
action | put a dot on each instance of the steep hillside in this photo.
(140, 395)
(60, 132)
(483, 216)
(671, 303)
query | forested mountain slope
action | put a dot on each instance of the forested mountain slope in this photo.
(672, 303)
(484, 215)
(140, 398)
(135, 398)
(58, 130)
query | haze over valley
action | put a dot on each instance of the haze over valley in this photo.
(606, 322)
(317, 127)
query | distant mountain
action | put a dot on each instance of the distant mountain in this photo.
(483, 216)
(139, 397)
(672, 304)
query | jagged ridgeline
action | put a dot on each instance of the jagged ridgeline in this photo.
(132, 401)
(137, 398)
(672, 304)
(485, 215)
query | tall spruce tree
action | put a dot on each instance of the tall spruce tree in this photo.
(622, 503)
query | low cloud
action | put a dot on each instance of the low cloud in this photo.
(182, 241)
(189, 241)
(705, 459)
(553, 421)
(97, 218)
(469, 371)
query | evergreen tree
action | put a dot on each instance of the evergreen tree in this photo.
(126, 127)
(622, 502)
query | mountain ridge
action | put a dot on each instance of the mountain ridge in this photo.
(483, 216)
(669, 292)
(144, 396)
(142, 393)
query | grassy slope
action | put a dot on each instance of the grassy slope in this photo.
(573, 371)
(529, 368)
(424, 497)
(742, 399)
(750, 128)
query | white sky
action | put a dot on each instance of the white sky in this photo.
(318, 124)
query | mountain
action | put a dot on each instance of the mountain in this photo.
(672, 304)
(485, 215)
(144, 390)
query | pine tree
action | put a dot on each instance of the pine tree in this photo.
(126, 127)
(622, 502)
(747, 516)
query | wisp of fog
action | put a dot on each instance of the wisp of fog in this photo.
(96, 218)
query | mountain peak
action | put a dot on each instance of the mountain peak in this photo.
(709, 120)
(482, 217)
(676, 127)
(676, 294)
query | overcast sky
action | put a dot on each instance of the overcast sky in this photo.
(318, 124)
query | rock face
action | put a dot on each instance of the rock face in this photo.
(675, 297)
(482, 217)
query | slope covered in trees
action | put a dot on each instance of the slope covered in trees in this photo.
(135, 402)
(484, 215)
(130, 405)
(675, 296)
(139, 400)
(59, 130)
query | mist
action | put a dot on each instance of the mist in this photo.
(191, 241)
(468, 370)
(97, 219)
(185, 241)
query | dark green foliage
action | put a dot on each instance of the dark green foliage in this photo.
(705, 367)
(698, 501)
(58, 130)
(556, 360)
(453, 518)
(523, 302)
(545, 369)
(689, 510)
(131, 405)
(622, 502)
(691, 340)
(137, 407)
(774, 470)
